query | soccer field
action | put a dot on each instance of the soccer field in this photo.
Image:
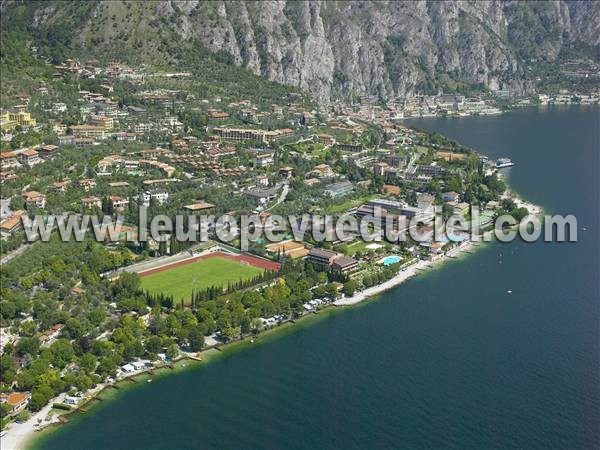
(198, 275)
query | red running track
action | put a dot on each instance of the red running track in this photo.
(252, 260)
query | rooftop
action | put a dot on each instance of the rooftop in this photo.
(199, 206)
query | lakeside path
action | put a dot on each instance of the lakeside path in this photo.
(404, 275)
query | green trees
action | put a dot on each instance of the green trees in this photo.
(39, 398)
(61, 353)
(127, 284)
(153, 345)
(332, 291)
(107, 367)
(196, 339)
(495, 185)
(172, 351)
(73, 328)
(350, 287)
(520, 213)
(28, 346)
(7, 368)
(230, 332)
(87, 362)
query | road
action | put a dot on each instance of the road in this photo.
(282, 196)
(13, 254)
(5, 210)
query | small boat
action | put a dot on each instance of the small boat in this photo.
(149, 381)
(504, 162)
(509, 291)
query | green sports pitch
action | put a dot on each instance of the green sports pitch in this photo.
(180, 280)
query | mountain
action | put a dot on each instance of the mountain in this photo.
(336, 48)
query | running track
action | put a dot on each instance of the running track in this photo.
(252, 260)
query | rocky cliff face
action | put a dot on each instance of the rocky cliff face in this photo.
(377, 48)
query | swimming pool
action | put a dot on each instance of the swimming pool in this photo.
(389, 260)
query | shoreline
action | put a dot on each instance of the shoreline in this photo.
(24, 435)
(407, 273)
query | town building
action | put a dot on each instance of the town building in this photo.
(160, 195)
(354, 148)
(262, 180)
(344, 264)
(88, 131)
(34, 199)
(339, 189)
(47, 151)
(322, 257)
(29, 157)
(380, 168)
(91, 202)
(119, 203)
(263, 160)
(122, 136)
(199, 206)
(322, 171)
(9, 160)
(396, 161)
(60, 186)
(326, 139)
(451, 196)
(261, 196)
(12, 224)
(8, 175)
(245, 134)
(16, 401)
(87, 184)
(216, 115)
(22, 118)
(286, 172)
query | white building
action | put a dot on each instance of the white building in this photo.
(160, 195)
